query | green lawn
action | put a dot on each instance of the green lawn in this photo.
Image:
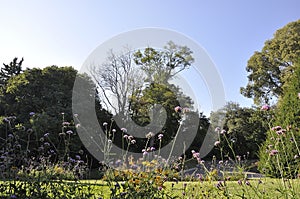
(255, 188)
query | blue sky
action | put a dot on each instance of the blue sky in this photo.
(64, 33)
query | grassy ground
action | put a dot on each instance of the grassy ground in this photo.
(254, 188)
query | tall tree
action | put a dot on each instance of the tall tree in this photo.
(161, 65)
(279, 156)
(116, 79)
(10, 70)
(271, 67)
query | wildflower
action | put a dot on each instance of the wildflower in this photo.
(239, 182)
(276, 128)
(114, 130)
(66, 123)
(200, 176)
(223, 132)
(152, 149)
(46, 134)
(145, 153)
(247, 183)
(130, 137)
(178, 109)
(47, 144)
(159, 188)
(6, 120)
(196, 155)
(133, 141)
(281, 131)
(217, 143)
(109, 141)
(265, 107)
(104, 124)
(75, 115)
(69, 132)
(77, 126)
(299, 95)
(273, 152)
(32, 113)
(149, 135)
(217, 129)
(117, 186)
(78, 157)
(160, 136)
(124, 130)
(296, 157)
(125, 136)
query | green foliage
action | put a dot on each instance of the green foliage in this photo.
(284, 137)
(161, 65)
(9, 70)
(245, 128)
(270, 68)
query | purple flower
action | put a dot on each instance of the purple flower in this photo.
(69, 132)
(281, 131)
(196, 155)
(46, 134)
(178, 109)
(66, 123)
(265, 107)
(276, 128)
(133, 141)
(273, 152)
(47, 144)
(239, 182)
(124, 130)
(217, 143)
(217, 129)
(160, 136)
(32, 113)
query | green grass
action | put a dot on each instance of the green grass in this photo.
(257, 188)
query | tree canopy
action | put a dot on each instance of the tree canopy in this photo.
(270, 68)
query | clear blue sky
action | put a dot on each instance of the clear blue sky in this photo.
(64, 33)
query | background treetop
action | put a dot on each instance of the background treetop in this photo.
(271, 67)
